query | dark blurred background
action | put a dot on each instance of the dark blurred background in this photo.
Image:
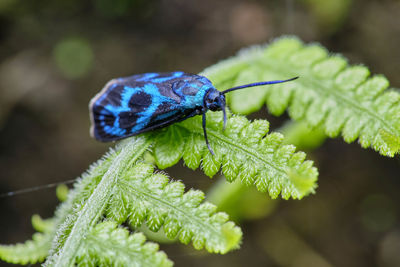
(55, 55)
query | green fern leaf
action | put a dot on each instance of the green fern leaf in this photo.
(86, 205)
(106, 191)
(109, 245)
(32, 251)
(41, 225)
(243, 152)
(329, 94)
(142, 196)
(169, 148)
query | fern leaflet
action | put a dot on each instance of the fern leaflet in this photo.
(31, 251)
(142, 196)
(331, 94)
(107, 244)
(243, 150)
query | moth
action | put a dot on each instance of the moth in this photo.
(145, 102)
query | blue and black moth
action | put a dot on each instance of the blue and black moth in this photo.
(145, 102)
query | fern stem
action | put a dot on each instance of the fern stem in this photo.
(94, 207)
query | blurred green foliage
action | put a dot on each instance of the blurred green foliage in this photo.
(6, 5)
(74, 57)
(303, 136)
(330, 14)
(241, 202)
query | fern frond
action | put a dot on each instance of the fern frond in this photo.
(110, 193)
(142, 196)
(330, 93)
(110, 245)
(32, 251)
(83, 215)
(243, 150)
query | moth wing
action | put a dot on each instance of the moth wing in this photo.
(136, 104)
(164, 117)
(104, 112)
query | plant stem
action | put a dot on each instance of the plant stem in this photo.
(95, 205)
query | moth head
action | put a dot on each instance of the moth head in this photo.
(214, 100)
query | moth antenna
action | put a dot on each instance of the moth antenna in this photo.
(257, 84)
(205, 134)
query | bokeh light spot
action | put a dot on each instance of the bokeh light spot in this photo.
(74, 57)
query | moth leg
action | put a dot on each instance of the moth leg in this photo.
(205, 134)
(224, 111)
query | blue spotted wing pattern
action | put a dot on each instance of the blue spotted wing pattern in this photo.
(140, 103)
